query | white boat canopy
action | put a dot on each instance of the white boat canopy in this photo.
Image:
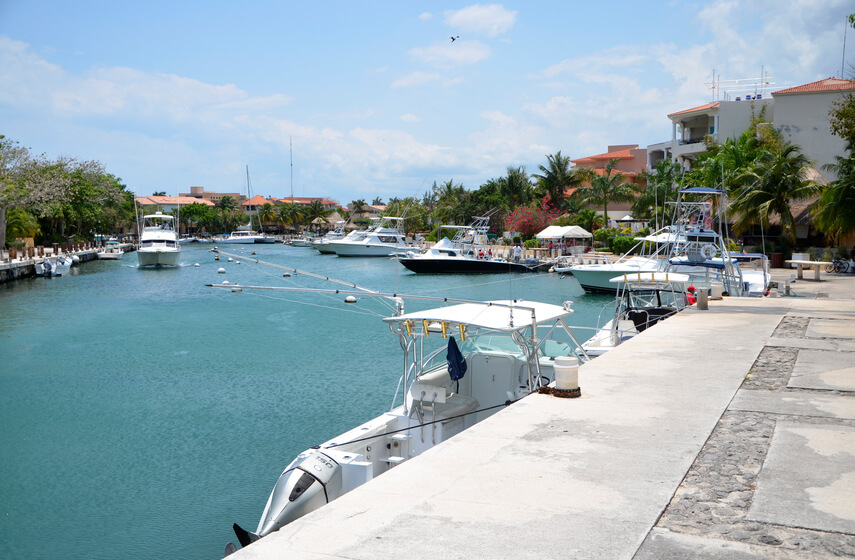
(560, 232)
(649, 278)
(493, 315)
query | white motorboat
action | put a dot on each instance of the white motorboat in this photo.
(54, 266)
(643, 299)
(245, 235)
(322, 243)
(112, 250)
(303, 241)
(379, 240)
(467, 252)
(158, 241)
(507, 349)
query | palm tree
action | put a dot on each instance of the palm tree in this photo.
(834, 213)
(775, 179)
(291, 213)
(661, 187)
(267, 213)
(610, 186)
(357, 208)
(226, 203)
(516, 187)
(556, 178)
(316, 211)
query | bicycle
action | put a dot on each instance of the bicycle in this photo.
(837, 265)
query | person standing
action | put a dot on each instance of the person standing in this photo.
(517, 252)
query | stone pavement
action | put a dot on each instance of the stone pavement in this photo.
(725, 433)
(776, 478)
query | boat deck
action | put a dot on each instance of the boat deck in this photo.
(720, 433)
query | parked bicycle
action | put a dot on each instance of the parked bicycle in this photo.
(838, 265)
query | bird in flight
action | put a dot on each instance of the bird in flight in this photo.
(455, 38)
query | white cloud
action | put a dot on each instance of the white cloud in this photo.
(410, 118)
(447, 54)
(425, 16)
(491, 20)
(415, 79)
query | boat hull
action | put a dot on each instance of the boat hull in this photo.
(158, 258)
(363, 250)
(595, 278)
(462, 266)
(246, 240)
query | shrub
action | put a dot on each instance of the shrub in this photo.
(621, 244)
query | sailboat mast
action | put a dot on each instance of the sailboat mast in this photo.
(249, 197)
(291, 154)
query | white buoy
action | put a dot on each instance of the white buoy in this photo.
(221, 271)
(350, 299)
(237, 262)
(196, 265)
(225, 282)
(236, 290)
(231, 259)
(287, 275)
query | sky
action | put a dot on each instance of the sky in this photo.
(373, 99)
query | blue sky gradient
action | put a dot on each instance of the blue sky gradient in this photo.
(376, 99)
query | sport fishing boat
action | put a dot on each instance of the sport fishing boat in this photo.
(467, 252)
(461, 364)
(379, 240)
(322, 243)
(690, 245)
(158, 241)
(54, 266)
(643, 299)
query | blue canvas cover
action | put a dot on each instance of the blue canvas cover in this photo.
(456, 363)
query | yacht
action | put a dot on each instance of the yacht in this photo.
(158, 241)
(245, 234)
(467, 252)
(379, 240)
(322, 243)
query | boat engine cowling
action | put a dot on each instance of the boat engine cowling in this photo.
(311, 481)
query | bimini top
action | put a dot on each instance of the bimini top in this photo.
(159, 216)
(493, 315)
(650, 278)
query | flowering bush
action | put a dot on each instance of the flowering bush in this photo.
(528, 220)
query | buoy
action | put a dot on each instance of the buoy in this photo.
(221, 271)
(196, 265)
(253, 252)
(287, 275)
(350, 299)
(236, 290)
(216, 257)
(231, 259)
(225, 282)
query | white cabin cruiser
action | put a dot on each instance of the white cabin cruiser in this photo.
(322, 243)
(507, 350)
(379, 240)
(112, 250)
(158, 241)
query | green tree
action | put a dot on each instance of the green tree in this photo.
(291, 214)
(316, 211)
(516, 187)
(195, 215)
(20, 223)
(662, 185)
(226, 203)
(556, 177)
(774, 180)
(834, 212)
(603, 188)
(267, 214)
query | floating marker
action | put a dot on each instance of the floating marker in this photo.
(221, 271)
(350, 299)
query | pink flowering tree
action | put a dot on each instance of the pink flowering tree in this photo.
(528, 220)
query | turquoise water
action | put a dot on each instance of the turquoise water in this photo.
(143, 413)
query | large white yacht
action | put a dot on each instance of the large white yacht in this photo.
(379, 240)
(158, 241)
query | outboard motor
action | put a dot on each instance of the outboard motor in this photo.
(310, 481)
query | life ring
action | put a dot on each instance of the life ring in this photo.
(708, 251)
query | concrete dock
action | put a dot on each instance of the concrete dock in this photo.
(720, 433)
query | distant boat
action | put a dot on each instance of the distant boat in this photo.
(379, 240)
(112, 251)
(245, 234)
(158, 241)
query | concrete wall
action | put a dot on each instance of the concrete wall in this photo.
(802, 118)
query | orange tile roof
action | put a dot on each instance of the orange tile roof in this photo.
(706, 107)
(608, 156)
(828, 84)
(257, 200)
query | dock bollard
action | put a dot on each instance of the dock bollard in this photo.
(703, 299)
